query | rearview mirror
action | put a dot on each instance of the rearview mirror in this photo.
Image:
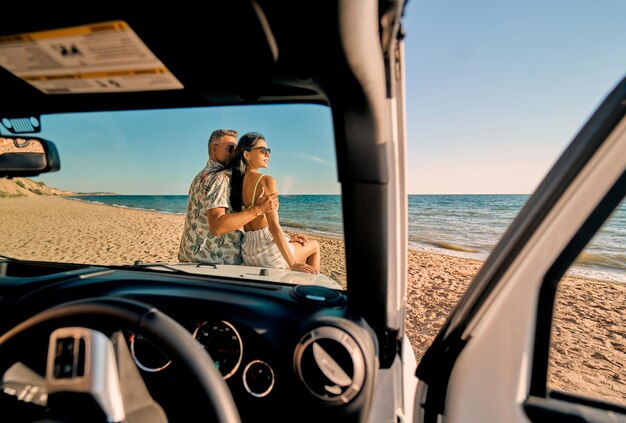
(27, 156)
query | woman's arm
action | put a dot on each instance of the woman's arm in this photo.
(221, 223)
(277, 231)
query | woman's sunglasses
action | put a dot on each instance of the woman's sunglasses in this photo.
(264, 150)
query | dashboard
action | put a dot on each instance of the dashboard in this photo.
(281, 349)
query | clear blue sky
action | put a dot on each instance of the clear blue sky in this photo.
(495, 92)
(160, 152)
(497, 89)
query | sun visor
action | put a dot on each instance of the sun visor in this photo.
(96, 58)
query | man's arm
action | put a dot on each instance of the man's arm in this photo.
(221, 223)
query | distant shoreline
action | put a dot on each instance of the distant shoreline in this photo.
(87, 194)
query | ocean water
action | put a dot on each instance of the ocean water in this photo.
(458, 225)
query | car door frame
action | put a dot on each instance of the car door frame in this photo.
(489, 361)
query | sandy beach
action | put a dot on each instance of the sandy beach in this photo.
(589, 349)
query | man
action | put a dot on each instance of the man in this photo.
(213, 231)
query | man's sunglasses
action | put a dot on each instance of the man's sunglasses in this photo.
(264, 150)
(229, 147)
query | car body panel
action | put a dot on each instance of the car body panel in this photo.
(243, 272)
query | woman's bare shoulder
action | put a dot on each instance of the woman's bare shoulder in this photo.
(269, 183)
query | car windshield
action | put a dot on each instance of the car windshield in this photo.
(121, 195)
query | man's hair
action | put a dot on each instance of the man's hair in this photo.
(219, 133)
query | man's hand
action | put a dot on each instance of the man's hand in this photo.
(266, 203)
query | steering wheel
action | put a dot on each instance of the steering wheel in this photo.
(97, 369)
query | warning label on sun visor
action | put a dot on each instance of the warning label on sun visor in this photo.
(104, 57)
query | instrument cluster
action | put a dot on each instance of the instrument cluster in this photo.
(223, 342)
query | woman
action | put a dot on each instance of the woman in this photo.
(265, 244)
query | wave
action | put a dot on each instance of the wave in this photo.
(310, 231)
(125, 206)
(587, 258)
(296, 225)
(601, 275)
(454, 247)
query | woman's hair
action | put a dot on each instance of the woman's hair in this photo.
(238, 165)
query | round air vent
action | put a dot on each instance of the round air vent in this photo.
(331, 364)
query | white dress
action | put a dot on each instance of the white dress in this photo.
(259, 249)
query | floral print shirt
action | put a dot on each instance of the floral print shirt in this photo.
(210, 189)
